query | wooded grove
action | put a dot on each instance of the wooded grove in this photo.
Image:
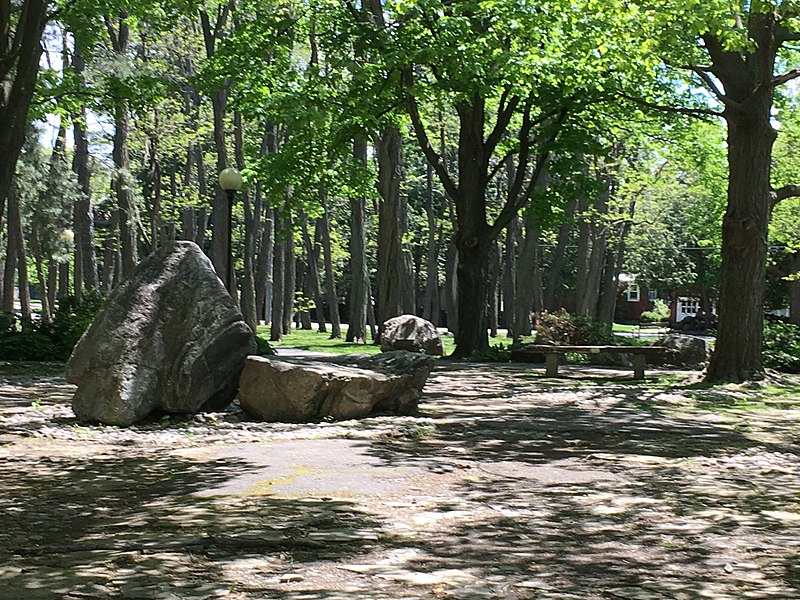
(474, 162)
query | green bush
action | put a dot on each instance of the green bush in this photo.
(494, 353)
(659, 313)
(51, 341)
(782, 346)
(565, 329)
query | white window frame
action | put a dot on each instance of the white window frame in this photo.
(633, 293)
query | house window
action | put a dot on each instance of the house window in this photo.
(633, 292)
(652, 295)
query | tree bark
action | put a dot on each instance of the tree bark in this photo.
(390, 233)
(251, 234)
(737, 353)
(431, 309)
(289, 274)
(85, 268)
(359, 275)
(330, 281)
(278, 281)
(19, 69)
(123, 181)
(509, 286)
(552, 301)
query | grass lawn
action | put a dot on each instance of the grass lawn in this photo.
(321, 342)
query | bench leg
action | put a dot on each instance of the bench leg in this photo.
(551, 364)
(638, 366)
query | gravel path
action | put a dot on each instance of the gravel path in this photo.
(506, 486)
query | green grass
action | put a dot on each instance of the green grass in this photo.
(320, 342)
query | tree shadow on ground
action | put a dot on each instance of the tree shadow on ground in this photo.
(580, 492)
(136, 527)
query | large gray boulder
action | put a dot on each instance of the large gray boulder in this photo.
(411, 333)
(686, 351)
(169, 339)
(298, 391)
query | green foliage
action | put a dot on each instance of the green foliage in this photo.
(51, 341)
(565, 329)
(494, 353)
(659, 313)
(781, 348)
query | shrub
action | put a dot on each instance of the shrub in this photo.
(494, 353)
(565, 329)
(51, 341)
(659, 313)
(782, 346)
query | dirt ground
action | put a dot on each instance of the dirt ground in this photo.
(507, 485)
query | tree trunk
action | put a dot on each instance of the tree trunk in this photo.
(451, 287)
(220, 222)
(41, 273)
(110, 253)
(737, 353)
(552, 302)
(85, 268)
(430, 309)
(330, 281)
(359, 275)
(794, 288)
(278, 281)
(312, 247)
(123, 181)
(266, 254)
(18, 249)
(251, 234)
(510, 275)
(390, 251)
(289, 274)
(19, 70)
(495, 265)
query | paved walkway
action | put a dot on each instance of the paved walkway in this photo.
(506, 486)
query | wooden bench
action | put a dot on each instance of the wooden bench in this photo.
(638, 354)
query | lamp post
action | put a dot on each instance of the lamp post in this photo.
(230, 180)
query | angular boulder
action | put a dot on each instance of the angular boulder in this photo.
(169, 339)
(686, 351)
(298, 391)
(411, 333)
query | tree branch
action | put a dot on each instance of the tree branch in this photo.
(422, 137)
(785, 77)
(788, 191)
(692, 112)
(714, 88)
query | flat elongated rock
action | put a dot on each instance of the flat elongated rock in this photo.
(170, 338)
(295, 390)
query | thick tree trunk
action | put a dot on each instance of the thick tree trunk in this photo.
(19, 70)
(472, 237)
(390, 259)
(737, 353)
(18, 249)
